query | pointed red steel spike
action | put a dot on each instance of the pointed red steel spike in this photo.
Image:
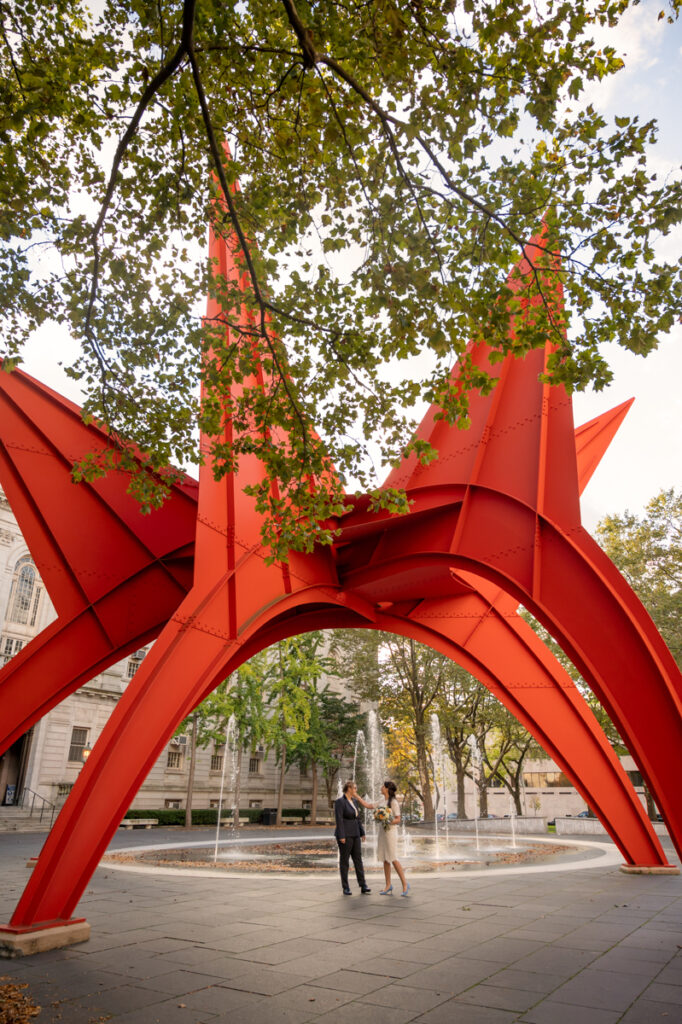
(510, 426)
(71, 529)
(594, 437)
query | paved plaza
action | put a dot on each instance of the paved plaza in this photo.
(590, 946)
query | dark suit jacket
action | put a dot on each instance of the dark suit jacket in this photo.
(347, 823)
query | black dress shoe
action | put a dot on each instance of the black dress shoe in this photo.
(365, 891)
(347, 892)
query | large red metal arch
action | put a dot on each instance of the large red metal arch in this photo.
(498, 509)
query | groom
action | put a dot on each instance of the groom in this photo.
(349, 833)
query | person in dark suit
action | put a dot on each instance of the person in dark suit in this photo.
(349, 833)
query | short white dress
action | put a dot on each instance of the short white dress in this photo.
(387, 838)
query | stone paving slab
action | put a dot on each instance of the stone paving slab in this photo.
(593, 946)
(645, 1011)
(549, 1012)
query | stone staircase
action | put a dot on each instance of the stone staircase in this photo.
(16, 819)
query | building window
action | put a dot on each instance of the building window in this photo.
(635, 778)
(11, 645)
(216, 762)
(134, 662)
(172, 805)
(255, 803)
(254, 765)
(541, 780)
(174, 759)
(303, 771)
(25, 594)
(307, 805)
(79, 740)
(63, 789)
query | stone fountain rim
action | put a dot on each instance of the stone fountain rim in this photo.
(606, 855)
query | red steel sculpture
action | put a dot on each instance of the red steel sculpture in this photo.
(494, 522)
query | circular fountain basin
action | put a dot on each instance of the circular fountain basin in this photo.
(421, 854)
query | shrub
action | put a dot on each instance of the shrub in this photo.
(208, 815)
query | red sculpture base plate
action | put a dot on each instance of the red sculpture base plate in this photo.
(38, 938)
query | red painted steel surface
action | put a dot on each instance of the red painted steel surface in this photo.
(493, 522)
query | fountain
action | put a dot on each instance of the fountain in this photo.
(376, 754)
(359, 753)
(512, 814)
(231, 750)
(441, 780)
(317, 853)
(369, 770)
(422, 851)
(475, 768)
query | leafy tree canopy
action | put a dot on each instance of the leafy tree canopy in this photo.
(394, 158)
(648, 551)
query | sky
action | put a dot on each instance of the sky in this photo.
(646, 454)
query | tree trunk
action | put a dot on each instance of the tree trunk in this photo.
(421, 745)
(190, 777)
(650, 805)
(424, 780)
(280, 795)
(483, 796)
(461, 794)
(329, 785)
(313, 801)
(237, 787)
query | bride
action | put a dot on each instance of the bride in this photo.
(387, 843)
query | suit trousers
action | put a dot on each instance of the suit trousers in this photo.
(351, 848)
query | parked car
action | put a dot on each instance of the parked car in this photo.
(584, 814)
(452, 816)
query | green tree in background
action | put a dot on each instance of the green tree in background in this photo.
(416, 147)
(511, 745)
(405, 679)
(241, 695)
(294, 665)
(648, 552)
(329, 741)
(458, 707)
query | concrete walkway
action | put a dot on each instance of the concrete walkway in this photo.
(589, 946)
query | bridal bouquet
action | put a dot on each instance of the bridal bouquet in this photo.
(384, 816)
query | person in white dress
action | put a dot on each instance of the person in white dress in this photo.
(387, 842)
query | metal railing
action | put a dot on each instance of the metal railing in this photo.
(27, 801)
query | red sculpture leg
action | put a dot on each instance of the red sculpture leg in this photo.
(192, 655)
(508, 657)
(578, 596)
(59, 660)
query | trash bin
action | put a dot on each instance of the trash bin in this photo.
(269, 816)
